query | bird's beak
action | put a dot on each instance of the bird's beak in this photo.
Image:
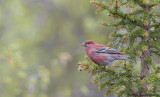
(83, 44)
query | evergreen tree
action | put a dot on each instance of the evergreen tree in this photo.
(140, 40)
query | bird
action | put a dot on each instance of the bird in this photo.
(101, 54)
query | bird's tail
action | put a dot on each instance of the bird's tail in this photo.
(124, 57)
(129, 60)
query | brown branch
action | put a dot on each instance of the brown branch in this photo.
(146, 52)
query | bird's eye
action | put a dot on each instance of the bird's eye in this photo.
(87, 44)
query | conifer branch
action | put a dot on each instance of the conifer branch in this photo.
(127, 17)
(141, 39)
(157, 25)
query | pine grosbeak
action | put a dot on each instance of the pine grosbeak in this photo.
(101, 54)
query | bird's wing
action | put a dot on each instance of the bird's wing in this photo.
(108, 50)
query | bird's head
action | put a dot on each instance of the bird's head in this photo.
(89, 44)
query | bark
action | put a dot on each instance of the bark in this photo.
(146, 52)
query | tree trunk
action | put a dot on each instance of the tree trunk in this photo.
(146, 51)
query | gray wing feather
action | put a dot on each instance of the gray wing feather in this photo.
(107, 50)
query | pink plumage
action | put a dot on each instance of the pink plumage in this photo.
(101, 54)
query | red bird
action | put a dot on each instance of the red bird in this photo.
(101, 54)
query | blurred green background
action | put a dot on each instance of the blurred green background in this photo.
(40, 46)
